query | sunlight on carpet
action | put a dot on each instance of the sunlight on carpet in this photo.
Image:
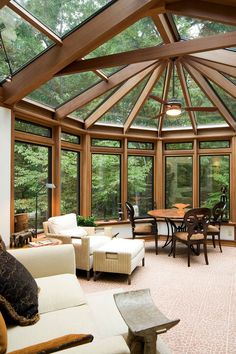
(202, 296)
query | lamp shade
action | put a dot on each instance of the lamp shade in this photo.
(174, 107)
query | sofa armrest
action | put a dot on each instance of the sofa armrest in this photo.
(47, 260)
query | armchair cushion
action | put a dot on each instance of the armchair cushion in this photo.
(143, 228)
(77, 231)
(58, 224)
(53, 297)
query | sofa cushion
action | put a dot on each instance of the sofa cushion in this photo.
(59, 292)
(54, 345)
(3, 335)
(76, 232)
(57, 224)
(18, 291)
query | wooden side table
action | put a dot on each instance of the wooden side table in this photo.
(143, 319)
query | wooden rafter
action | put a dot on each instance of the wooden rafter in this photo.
(164, 28)
(4, 3)
(186, 95)
(215, 76)
(210, 94)
(203, 10)
(79, 43)
(165, 94)
(221, 56)
(34, 22)
(159, 52)
(117, 96)
(101, 88)
(217, 66)
(142, 98)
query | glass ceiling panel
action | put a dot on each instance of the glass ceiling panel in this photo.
(151, 108)
(62, 16)
(87, 109)
(228, 101)
(209, 118)
(141, 34)
(199, 99)
(22, 41)
(121, 110)
(144, 122)
(60, 89)
(190, 28)
(111, 71)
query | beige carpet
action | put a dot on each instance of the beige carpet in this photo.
(203, 297)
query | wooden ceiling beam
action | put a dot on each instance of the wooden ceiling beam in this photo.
(204, 10)
(101, 88)
(164, 28)
(117, 96)
(217, 66)
(165, 95)
(4, 3)
(221, 56)
(34, 22)
(210, 94)
(142, 98)
(77, 44)
(215, 76)
(159, 52)
(186, 95)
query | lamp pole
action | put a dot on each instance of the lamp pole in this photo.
(48, 186)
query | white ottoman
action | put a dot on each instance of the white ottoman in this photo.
(119, 256)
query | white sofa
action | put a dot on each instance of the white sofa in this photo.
(65, 309)
(84, 239)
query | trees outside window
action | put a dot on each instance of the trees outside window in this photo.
(214, 174)
(31, 172)
(140, 182)
(179, 180)
(70, 182)
(105, 186)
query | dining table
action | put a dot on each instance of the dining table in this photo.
(174, 221)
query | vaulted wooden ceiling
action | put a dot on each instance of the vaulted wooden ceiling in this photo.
(206, 62)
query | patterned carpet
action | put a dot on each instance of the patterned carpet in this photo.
(203, 297)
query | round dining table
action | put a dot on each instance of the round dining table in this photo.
(171, 216)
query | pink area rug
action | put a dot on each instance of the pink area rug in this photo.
(202, 297)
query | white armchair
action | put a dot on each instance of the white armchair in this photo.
(84, 239)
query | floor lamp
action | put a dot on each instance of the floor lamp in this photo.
(48, 186)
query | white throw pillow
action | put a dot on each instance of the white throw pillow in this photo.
(75, 231)
(57, 224)
(58, 292)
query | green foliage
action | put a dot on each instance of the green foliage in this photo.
(86, 221)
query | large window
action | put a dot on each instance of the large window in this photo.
(105, 186)
(69, 182)
(140, 182)
(32, 172)
(214, 174)
(179, 180)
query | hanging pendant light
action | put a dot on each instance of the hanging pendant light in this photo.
(174, 106)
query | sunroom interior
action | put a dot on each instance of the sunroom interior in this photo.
(84, 97)
(108, 101)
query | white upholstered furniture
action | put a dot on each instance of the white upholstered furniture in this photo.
(65, 309)
(119, 256)
(84, 239)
